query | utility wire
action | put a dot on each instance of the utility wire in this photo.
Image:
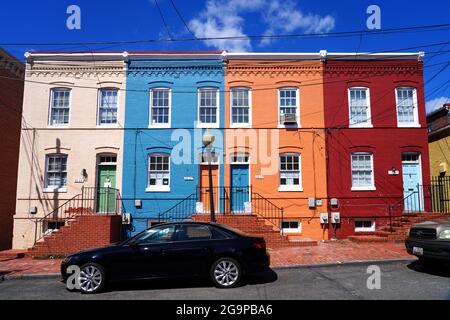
(181, 18)
(164, 20)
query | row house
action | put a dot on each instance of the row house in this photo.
(11, 93)
(299, 138)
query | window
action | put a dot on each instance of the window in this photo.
(208, 106)
(240, 106)
(364, 226)
(194, 232)
(290, 177)
(109, 159)
(59, 107)
(159, 172)
(107, 113)
(292, 226)
(160, 101)
(410, 157)
(239, 158)
(156, 235)
(407, 115)
(56, 173)
(362, 171)
(359, 104)
(288, 105)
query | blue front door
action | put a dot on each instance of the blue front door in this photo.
(239, 187)
(411, 181)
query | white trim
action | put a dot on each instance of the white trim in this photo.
(160, 125)
(416, 123)
(292, 230)
(107, 125)
(158, 188)
(297, 108)
(364, 229)
(55, 190)
(241, 125)
(49, 118)
(208, 125)
(367, 124)
(291, 188)
(363, 188)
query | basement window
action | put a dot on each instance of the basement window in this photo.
(364, 226)
(291, 226)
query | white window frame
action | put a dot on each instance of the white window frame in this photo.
(292, 230)
(160, 125)
(99, 124)
(416, 123)
(367, 124)
(297, 108)
(208, 125)
(157, 188)
(372, 227)
(290, 188)
(49, 188)
(363, 188)
(49, 121)
(241, 125)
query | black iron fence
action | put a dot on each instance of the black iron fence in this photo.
(91, 200)
(439, 191)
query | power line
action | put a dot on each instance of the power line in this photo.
(422, 28)
(163, 20)
(181, 18)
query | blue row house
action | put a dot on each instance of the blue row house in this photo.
(172, 98)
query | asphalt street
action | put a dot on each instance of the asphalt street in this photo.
(398, 281)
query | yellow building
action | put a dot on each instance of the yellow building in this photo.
(439, 141)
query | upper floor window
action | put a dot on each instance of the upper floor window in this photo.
(59, 107)
(160, 104)
(56, 172)
(288, 105)
(359, 105)
(240, 106)
(407, 113)
(362, 171)
(158, 172)
(208, 107)
(107, 113)
(290, 173)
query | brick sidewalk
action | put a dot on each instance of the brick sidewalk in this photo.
(329, 252)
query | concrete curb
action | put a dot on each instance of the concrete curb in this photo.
(31, 276)
(344, 263)
(297, 266)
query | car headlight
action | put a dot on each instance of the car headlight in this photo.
(444, 235)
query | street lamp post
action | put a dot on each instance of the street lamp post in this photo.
(208, 140)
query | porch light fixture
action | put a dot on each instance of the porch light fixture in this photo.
(208, 141)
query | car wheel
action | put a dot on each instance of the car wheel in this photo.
(226, 273)
(92, 278)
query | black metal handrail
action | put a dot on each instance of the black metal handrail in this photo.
(181, 211)
(267, 210)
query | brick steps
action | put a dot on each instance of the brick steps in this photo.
(12, 254)
(254, 225)
(82, 232)
(399, 230)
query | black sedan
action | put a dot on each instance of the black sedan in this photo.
(171, 250)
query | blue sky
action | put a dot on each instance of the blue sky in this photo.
(104, 20)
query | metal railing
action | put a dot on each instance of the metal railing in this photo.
(91, 200)
(439, 191)
(267, 210)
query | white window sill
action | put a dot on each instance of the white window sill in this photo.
(208, 125)
(161, 126)
(364, 188)
(290, 189)
(62, 126)
(241, 125)
(361, 125)
(289, 126)
(55, 190)
(296, 231)
(409, 125)
(364, 230)
(158, 189)
(114, 125)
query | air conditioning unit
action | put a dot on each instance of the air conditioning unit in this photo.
(334, 202)
(288, 118)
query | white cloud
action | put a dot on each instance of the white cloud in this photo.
(437, 103)
(222, 18)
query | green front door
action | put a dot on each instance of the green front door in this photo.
(106, 188)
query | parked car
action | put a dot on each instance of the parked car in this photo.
(172, 250)
(430, 240)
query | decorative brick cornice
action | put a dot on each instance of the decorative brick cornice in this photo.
(372, 70)
(273, 71)
(10, 63)
(176, 71)
(40, 70)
